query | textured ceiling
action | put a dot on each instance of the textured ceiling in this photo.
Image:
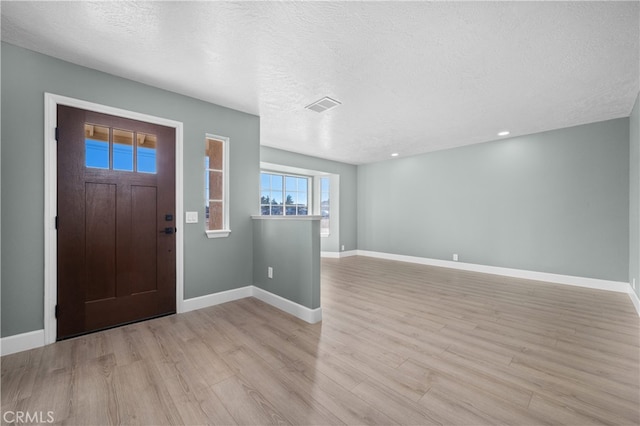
(412, 76)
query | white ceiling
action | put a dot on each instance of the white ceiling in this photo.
(412, 77)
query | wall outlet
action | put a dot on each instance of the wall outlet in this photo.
(455, 257)
(342, 247)
(270, 272)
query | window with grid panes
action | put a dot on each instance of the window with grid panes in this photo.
(216, 186)
(284, 195)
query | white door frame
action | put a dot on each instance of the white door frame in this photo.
(51, 102)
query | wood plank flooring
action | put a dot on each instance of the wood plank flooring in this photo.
(399, 344)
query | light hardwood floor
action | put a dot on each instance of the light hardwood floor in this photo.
(399, 344)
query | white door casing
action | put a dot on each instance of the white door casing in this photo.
(51, 102)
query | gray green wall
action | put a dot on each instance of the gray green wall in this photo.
(348, 188)
(210, 265)
(564, 201)
(634, 195)
(292, 248)
(555, 202)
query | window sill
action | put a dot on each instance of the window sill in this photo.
(218, 234)
(292, 217)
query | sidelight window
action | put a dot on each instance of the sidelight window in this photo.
(216, 172)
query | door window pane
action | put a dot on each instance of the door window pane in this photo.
(96, 146)
(146, 155)
(122, 150)
(108, 148)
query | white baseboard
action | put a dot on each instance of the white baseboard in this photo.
(309, 315)
(330, 254)
(306, 314)
(216, 298)
(21, 342)
(594, 283)
(634, 299)
(35, 339)
(338, 255)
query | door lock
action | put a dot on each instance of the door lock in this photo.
(168, 230)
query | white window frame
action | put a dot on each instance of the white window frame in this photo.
(314, 203)
(317, 195)
(310, 191)
(226, 229)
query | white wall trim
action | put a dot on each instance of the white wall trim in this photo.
(50, 211)
(330, 254)
(349, 253)
(309, 315)
(338, 255)
(223, 233)
(217, 298)
(51, 102)
(594, 283)
(307, 217)
(21, 342)
(36, 339)
(306, 314)
(634, 299)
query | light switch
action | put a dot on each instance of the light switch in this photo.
(191, 217)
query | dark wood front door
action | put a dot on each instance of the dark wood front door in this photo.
(116, 221)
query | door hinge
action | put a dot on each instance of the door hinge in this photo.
(57, 133)
(57, 311)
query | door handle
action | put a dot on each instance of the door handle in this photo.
(168, 230)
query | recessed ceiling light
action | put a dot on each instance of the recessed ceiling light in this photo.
(323, 104)
(503, 133)
(395, 154)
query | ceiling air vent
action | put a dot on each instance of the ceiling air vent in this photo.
(323, 104)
